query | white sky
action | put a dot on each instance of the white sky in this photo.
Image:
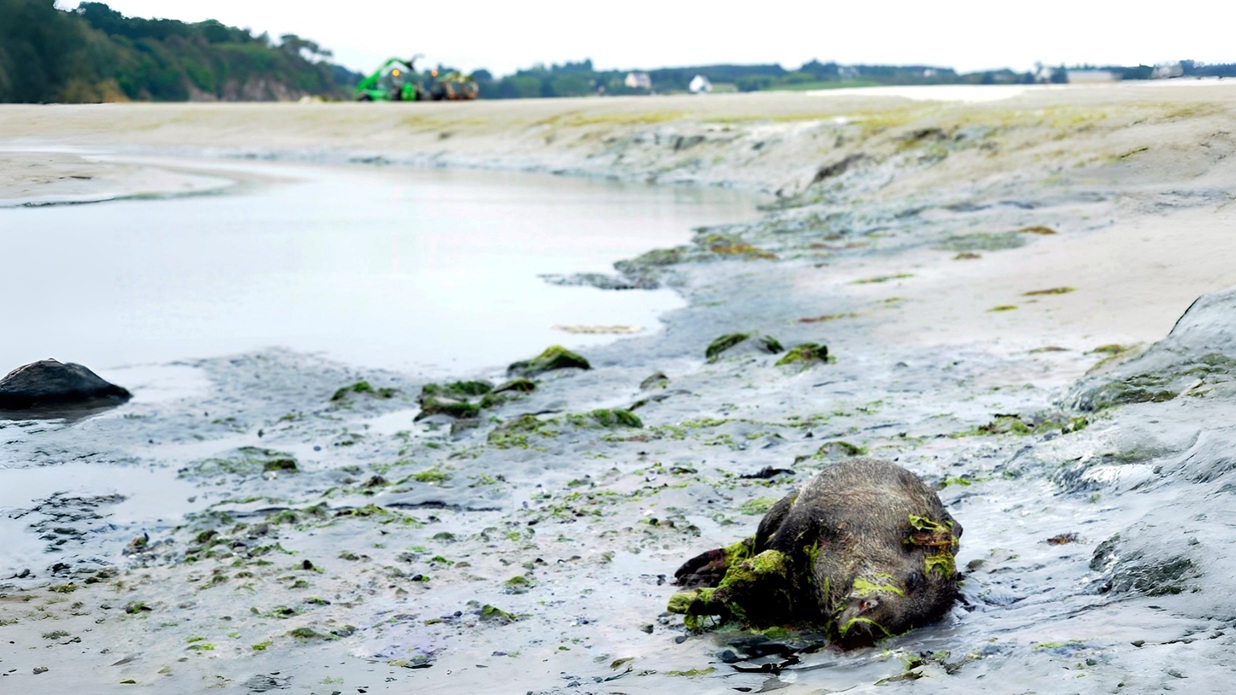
(503, 35)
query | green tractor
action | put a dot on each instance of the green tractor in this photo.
(397, 80)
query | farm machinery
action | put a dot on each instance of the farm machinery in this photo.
(397, 80)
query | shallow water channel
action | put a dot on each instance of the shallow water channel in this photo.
(384, 267)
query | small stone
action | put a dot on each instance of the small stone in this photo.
(40, 669)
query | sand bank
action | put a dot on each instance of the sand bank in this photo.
(982, 273)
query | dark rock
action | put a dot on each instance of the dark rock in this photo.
(48, 383)
(555, 357)
(656, 381)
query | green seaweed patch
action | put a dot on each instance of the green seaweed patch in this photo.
(362, 387)
(261, 646)
(606, 418)
(516, 386)
(692, 673)
(515, 432)
(249, 460)
(1049, 291)
(982, 241)
(807, 353)
(1002, 307)
(553, 358)
(493, 614)
(882, 278)
(653, 258)
(431, 475)
(723, 343)
(457, 389)
(942, 564)
(1109, 349)
(440, 405)
(765, 343)
(306, 634)
(849, 625)
(758, 505)
(828, 317)
(863, 587)
(518, 584)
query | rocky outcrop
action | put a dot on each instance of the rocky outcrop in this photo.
(48, 383)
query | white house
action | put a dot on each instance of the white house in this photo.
(700, 85)
(638, 80)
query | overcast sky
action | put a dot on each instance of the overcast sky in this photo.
(503, 36)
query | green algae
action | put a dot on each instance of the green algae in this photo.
(435, 405)
(515, 432)
(882, 278)
(457, 389)
(692, 673)
(758, 505)
(765, 343)
(606, 418)
(982, 241)
(806, 353)
(849, 625)
(432, 475)
(723, 343)
(1049, 291)
(863, 587)
(493, 614)
(362, 387)
(1002, 307)
(553, 358)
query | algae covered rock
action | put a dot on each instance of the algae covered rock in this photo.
(805, 354)
(1198, 355)
(48, 383)
(554, 357)
(863, 550)
(606, 418)
(762, 343)
(362, 387)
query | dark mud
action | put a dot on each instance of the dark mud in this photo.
(253, 533)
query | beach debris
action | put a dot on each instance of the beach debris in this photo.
(864, 550)
(49, 383)
(553, 358)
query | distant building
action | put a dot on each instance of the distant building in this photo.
(700, 85)
(1091, 76)
(638, 80)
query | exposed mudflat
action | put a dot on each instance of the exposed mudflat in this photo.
(999, 285)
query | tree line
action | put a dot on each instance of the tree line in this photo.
(95, 53)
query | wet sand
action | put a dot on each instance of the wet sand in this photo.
(986, 275)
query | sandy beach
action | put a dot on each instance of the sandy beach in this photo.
(1000, 280)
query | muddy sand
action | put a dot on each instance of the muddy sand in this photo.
(1006, 288)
